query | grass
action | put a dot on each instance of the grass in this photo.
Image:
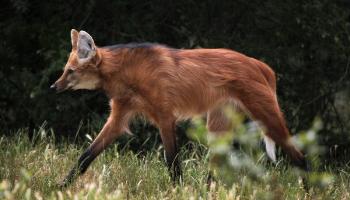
(30, 171)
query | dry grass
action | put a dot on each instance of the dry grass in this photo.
(30, 171)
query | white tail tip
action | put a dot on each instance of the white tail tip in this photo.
(270, 148)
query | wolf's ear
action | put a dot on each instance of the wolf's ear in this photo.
(86, 47)
(74, 38)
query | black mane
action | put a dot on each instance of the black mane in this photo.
(131, 46)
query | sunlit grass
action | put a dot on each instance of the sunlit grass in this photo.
(31, 171)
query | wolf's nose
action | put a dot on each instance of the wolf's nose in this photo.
(53, 87)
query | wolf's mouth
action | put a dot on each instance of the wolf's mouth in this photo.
(64, 89)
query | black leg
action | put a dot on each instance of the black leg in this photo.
(210, 178)
(110, 131)
(168, 135)
(174, 167)
(83, 163)
(304, 165)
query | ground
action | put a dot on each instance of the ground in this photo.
(30, 170)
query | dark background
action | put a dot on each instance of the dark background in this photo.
(305, 42)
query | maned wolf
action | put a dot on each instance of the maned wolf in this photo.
(167, 85)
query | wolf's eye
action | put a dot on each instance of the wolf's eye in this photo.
(70, 71)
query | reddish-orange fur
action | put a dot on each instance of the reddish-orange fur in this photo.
(167, 85)
(158, 81)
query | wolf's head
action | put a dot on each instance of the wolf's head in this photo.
(81, 70)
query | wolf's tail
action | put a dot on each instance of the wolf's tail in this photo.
(270, 148)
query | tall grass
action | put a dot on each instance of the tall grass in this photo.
(30, 170)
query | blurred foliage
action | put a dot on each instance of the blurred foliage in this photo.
(305, 42)
(227, 162)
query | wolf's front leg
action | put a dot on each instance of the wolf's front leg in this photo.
(168, 135)
(111, 130)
